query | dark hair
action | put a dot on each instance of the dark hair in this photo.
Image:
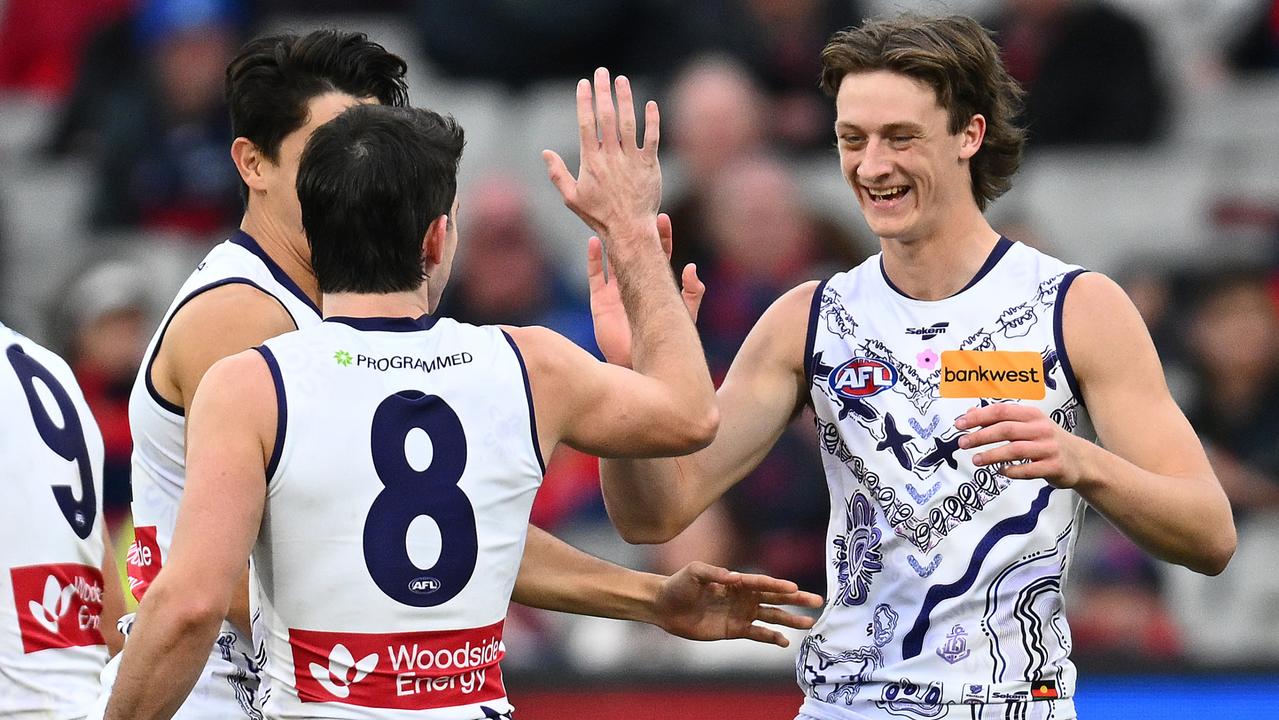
(269, 84)
(370, 183)
(957, 58)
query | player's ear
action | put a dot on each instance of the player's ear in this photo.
(249, 160)
(433, 244)
(971, 137)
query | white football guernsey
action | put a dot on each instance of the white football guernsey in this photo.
(51, 646)
(945, 581)
(228, 685)
(398, 498)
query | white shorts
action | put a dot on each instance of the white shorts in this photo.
(1061, 709)
(226, 690)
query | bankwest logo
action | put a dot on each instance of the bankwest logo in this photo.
(404, 671)
(59, 606)
(992, 374)
(143, 560)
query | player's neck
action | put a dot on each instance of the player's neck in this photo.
(283, 247)
(939, 265)
(411, 304)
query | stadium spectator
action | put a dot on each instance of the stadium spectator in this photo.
(1234, 340)
(1088, 70)
(149, 110)
(109, 318)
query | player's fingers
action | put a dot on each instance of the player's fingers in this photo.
(798, 598)
(693, 290)
(560, 177)
(778, 616)
(626, 113)
(999, 432)
(1031, 470)
(652, 128)
(586, 131)
(707, 573)
(605, 115)
(759, 633)
(765, 584)
(665, 233)
(594, 262)
(1021, 450)
(991, 414)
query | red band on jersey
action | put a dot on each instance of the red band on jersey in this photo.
(143, 561)
(59, 606)
(402, 671)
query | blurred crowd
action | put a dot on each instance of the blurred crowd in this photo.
(124, 96)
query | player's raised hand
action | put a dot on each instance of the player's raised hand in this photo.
(612, 326)
(1035, 446)
(619, 183)
(705, 602)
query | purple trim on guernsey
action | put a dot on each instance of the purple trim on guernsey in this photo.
(811, 340)
(1059, 339)
(246, 241)
(155, 394)
(996, 254)
(528, 391)
(282, 411)
(385, 324)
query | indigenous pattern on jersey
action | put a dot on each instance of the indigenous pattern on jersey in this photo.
(945, 580)
(51, 585)
(398, 498)
(159, 468)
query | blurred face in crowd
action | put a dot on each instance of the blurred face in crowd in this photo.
(1236, 334)
(757, 220)
(718, 114)
(192, 68)
(281, 200)
(503, 263)
(910, 174)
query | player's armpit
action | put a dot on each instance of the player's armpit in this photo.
(213, 325)
(607, 410)
(652, 501)
(1153, 479)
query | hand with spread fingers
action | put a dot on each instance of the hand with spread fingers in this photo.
(705, 602)
(619, 184)
(612, 326)
(1036, 447)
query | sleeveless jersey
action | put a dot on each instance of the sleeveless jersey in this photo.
(159, 470)
(51, 646)
(945, 580)
(398, 497)
(159, 426)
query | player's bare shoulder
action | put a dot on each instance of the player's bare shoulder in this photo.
(212, 325)
(1100, 325)
(782, 331)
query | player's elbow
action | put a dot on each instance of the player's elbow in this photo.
(652, 532)
(697, 430)
(1218, 551)
(187, 611)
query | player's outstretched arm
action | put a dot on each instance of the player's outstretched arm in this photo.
(230, 435)
(700, 602)
(652, 501)
(1149, 475)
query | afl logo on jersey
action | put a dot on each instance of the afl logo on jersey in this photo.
(862, 377)
(423, 585)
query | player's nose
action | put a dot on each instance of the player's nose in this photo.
(875, 164)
